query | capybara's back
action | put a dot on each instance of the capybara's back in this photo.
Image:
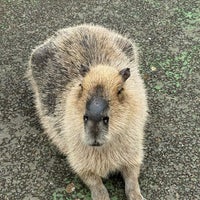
(92, 103)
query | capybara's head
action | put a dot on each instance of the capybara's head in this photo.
(102, 95)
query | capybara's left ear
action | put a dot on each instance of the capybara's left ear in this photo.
(125, 73)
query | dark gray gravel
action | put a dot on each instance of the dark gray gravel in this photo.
(167, 33)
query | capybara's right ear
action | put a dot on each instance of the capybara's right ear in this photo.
(84, 70)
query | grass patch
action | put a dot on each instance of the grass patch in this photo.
(80, 191)
(114, 185)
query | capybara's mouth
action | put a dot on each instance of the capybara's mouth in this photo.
(96, 144)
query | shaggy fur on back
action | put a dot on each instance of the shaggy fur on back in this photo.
(72, 67)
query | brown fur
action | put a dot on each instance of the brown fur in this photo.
(88, 56)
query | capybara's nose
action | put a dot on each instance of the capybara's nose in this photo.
(95, 108)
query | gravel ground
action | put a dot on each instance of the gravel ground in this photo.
(167, 33)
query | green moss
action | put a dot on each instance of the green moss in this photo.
(176, 69)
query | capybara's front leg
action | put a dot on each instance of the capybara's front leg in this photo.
(96, 186)
(132, 188)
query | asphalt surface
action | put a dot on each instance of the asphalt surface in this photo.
(168, 35)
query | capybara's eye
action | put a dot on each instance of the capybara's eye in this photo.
(80, 85)
(120, 91)
(85, 118)
(105, 120)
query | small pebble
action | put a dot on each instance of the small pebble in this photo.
(70, 188)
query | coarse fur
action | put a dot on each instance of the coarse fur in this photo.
(74, 66)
